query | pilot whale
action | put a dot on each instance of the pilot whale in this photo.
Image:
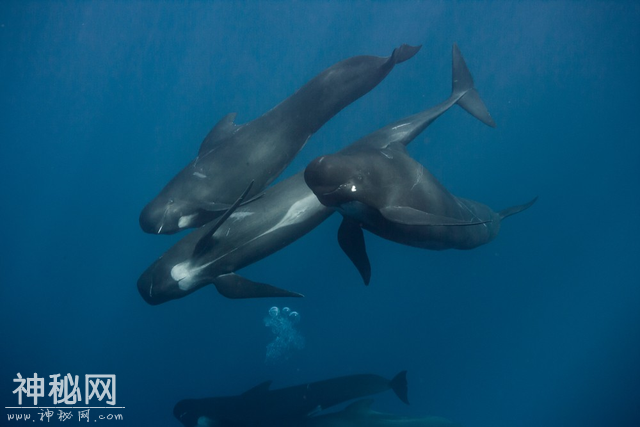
(233, 155)
(247, 233)
(387, 192)
(285, 212)
(375, 185)
(260, 406)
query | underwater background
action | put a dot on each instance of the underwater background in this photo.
(103, 102)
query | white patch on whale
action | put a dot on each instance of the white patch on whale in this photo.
(237, 216)
(185, 275)
(293, 214)
(185, 221)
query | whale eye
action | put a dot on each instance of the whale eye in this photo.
(170, 201)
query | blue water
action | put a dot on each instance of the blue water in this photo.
(101, 103)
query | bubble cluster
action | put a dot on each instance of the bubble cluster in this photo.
(287, 338)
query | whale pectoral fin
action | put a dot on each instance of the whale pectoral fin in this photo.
(405, 215)
(351, 240)
(214, 207)
(221, 207)
(236, 287)
(224, 128)
(205, 240)
(516, 209)
(253, 199)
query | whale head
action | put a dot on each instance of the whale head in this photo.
(168, 215)
(337, 179)
(163, 216)
(167, 279)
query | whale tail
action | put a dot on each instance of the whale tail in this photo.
(403, 53)
(399, 386)
(463, 87)
(516, 209)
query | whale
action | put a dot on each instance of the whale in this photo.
(284, 213)
(245, 234)
(231, 155)
(261, 406)
(377, 186)
(359, 413)
(388, 193)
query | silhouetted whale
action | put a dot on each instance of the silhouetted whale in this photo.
(233, 155)
(260, 406)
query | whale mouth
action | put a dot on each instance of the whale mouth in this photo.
(332, 191)
(330, 196)
(155, 218)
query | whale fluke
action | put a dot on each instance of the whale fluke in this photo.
(404, 52)
(462, 83)
(399, 386)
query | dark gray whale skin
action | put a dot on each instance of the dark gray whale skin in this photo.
(287, 211)
(231, 156)
(377, 186)
(385, 191)
(288, 406)
(212, 253)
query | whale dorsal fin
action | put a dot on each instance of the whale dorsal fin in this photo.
(359, 406)
(406, 215)
(224, 128)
